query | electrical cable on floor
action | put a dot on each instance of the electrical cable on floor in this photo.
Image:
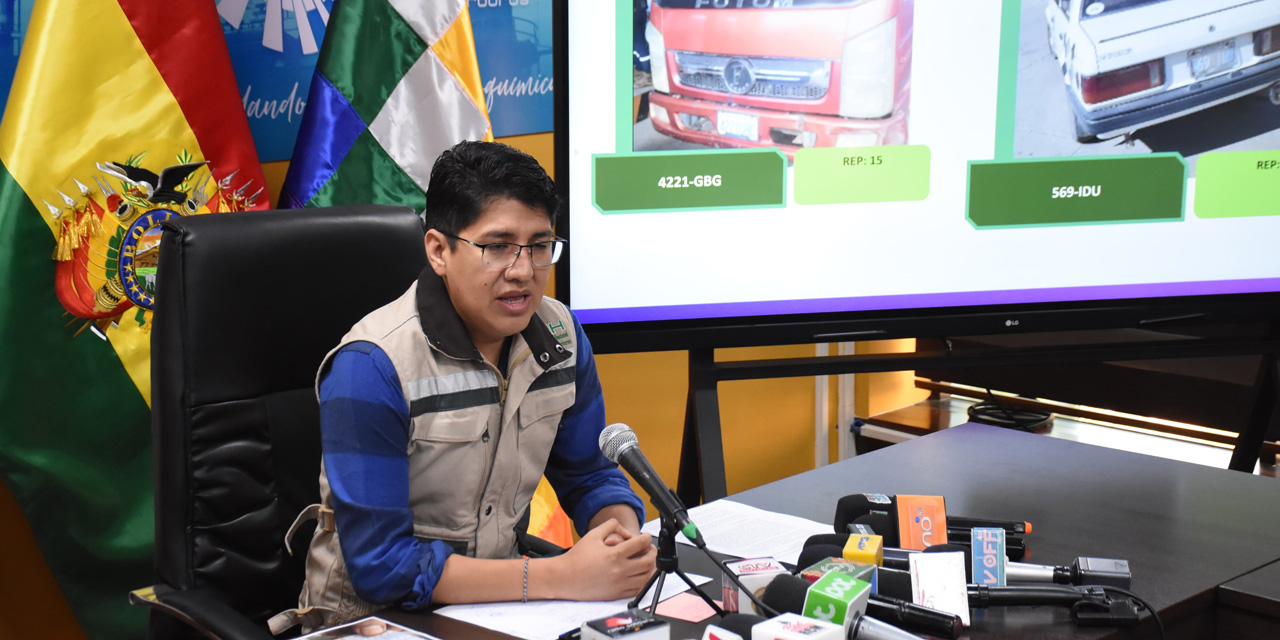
(991, 411)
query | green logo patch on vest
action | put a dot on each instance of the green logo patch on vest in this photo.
(559, 332)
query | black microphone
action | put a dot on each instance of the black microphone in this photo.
(886, 527)
(788, 594)
(740, 623)
(1009, 526)
(619, 444)
(879, 523)
(1090, 606)
(892, 601)
(894, 583)
(812, 554)
(913, 617)
(855, 508)
(1084, 570)
(856, 505)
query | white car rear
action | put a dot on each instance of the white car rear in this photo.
(1133, 63)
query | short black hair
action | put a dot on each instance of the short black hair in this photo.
(471, 175)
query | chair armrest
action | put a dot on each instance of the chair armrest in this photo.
(202, 610)
(535, 547)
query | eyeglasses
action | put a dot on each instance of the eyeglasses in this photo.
(501, 255)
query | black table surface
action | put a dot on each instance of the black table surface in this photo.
(1184, 528)
(1257, 591)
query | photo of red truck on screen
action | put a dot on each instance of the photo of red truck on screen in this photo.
(789, 74)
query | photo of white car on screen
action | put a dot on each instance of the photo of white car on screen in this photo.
(1155, 75)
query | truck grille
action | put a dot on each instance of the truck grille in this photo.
(791, 78)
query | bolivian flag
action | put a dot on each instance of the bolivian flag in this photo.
(397, 84)
(122, 114)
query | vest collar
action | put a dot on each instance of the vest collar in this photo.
(446, 332)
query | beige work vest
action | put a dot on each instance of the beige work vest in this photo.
(477, 447)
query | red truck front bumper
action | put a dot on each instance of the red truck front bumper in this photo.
(708, 123)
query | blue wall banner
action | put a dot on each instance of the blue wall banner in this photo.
(274, 55)
(274, 45)
(513, 49)
(14, 15)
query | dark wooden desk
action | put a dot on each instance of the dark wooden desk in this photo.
(1184, 528)
(1249, 606)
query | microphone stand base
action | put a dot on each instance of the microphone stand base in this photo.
(668, 561)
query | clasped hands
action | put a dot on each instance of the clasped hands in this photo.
(609, 563)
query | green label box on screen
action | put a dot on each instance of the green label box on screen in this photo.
(1022, 193)
(683, 180)
(1236, 184)
(837, 175)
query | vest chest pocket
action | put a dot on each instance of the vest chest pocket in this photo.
(448, 458)
(544, 407)
(540, 416)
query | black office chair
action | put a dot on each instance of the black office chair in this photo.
(247, 306)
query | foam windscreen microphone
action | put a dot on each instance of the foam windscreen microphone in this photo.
(737, 625)
(856, 505)
(878, 523)
(812, 554)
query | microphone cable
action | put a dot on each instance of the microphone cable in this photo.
(992, 412)
(1130, 595)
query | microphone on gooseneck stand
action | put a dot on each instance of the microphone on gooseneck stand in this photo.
(619, 444)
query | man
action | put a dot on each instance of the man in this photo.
(440, 411)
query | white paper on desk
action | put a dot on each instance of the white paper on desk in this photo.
(735, 529)
(547, 619)
(938, 582)
(351, 631)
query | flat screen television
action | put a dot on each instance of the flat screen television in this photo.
(749, 172)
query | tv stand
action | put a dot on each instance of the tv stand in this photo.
(702, 474)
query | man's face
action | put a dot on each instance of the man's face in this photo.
(493, 303)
